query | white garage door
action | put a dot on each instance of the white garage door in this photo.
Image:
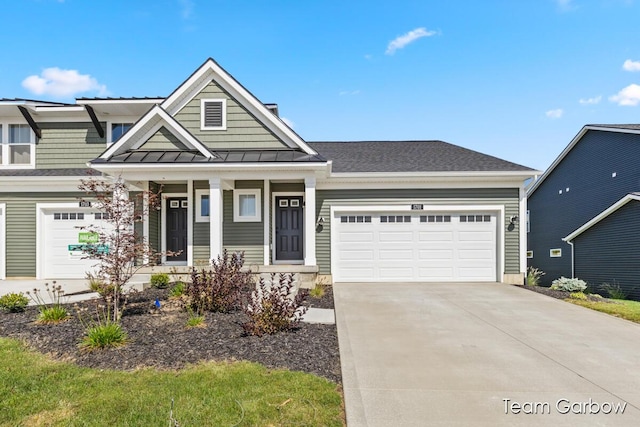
(63, 241)
(451, 247)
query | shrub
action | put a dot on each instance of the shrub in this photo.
(273, 306)
(569, 285)
(578, 295)
(177, 290)
(101, 331)
(533, 276)
(220, 288)
(104, 289)
(195, 320)
(317, 291)
(54, 312)
(14, 302)
(160, 280)
(614, 291)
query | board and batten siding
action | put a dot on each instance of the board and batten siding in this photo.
(243, 236)
(68, 145)
(609, 252)
(507, 197)
(21, 228)
(243, 129)
(587, 171)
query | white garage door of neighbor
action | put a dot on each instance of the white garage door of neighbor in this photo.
(63, 241)
(448, 247)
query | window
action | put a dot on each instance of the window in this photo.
(16, 145)
(118, 129)
(529, 254)
(475, 218)
(202, 205)
(65, 216)
(246, 205)
(355, 218)
(555, 253)
(395, 218)
(213, 114)
(435, 218)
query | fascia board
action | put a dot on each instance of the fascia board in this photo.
(120, 101)
(26, 184)
(611, 209)
(186, 167)
(444, 174)
(569, 147)
(241, 94)
(126, 140)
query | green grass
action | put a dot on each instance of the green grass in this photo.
(625, 309)
(35, 390)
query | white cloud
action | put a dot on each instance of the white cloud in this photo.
(629, 96)
(186, 8)
(348, 92)
(566, 5)
(413, 35)
(630, 65)
(62, 83)
(591, 101)
(288, 122)
(555, 114)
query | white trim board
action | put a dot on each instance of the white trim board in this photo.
(3, 241)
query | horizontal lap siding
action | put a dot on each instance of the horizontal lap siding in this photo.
(506, 197)
(587, 171)
(21, 229)
(243, 129)
(609, 252)
(243, 236)
(68, 145)
(163, 140)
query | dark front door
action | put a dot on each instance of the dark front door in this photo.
(289, 228)
(177, 228)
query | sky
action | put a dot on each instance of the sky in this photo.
(513, 79)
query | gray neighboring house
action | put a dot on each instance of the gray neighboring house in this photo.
(583, 211)
(234, 176)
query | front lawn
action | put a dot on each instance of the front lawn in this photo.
(35, 390)
(625, 309)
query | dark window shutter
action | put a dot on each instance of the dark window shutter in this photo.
(213, 114)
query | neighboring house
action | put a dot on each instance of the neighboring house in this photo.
(586, 199)
(235, 176)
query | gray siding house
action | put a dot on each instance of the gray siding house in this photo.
(234, 176)
(580, 211)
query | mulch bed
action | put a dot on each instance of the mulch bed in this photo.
(160, 339)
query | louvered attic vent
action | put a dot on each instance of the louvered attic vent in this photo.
(213, 114)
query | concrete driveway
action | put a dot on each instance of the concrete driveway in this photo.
(482, 354)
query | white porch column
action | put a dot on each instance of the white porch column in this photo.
(267, 225)
(310, 220)
(190, 206)
(215, 218)
(522, 225)
(145, 218)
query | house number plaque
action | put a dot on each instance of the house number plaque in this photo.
(417, 207)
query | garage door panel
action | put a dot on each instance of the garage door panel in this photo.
(399, 254)
(417, 249)
(351, 236)
(394, 236)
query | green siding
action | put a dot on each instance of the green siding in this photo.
(292, 187)
(243, 236)
(506, 197)
(162, 140)
(174, 188)
(243, 129)
(21, 229)
(68, 145)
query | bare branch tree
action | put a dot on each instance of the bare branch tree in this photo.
(120, 250)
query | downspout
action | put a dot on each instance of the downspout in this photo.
(573, 269)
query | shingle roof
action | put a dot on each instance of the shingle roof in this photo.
(80, 172)
(409, 156)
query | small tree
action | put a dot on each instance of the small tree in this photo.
(119, 250)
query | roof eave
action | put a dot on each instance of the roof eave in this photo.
(602, 215)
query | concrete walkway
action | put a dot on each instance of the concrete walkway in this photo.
(482, 354)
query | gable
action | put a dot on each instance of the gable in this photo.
(163, 139)
(243, 130)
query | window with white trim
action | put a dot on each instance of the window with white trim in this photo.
(202, 205)
(17, 145)
(355, 218)
(118, 129)
(555, 253)
(395, 218)
(246, 205)
(213, 114)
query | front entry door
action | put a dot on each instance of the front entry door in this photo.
(289, 228)
(176, 228)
